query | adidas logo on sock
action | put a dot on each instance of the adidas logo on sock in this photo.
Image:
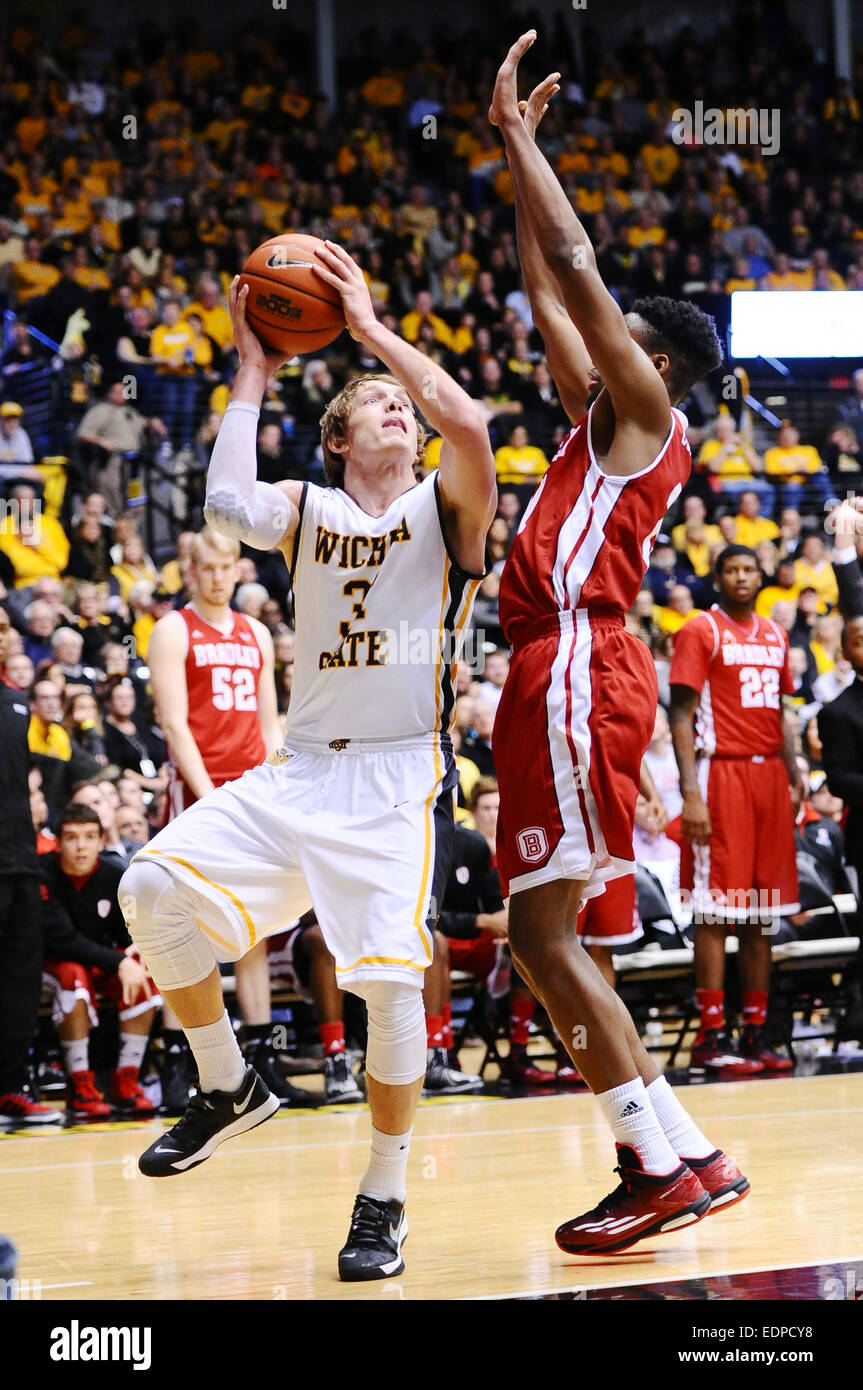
(633, 1108)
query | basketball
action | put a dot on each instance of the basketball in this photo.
(291, 309)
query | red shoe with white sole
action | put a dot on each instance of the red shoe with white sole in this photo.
(127, 1094)
(721, 1179)
(643, 1205)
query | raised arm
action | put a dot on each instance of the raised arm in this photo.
(467, 472)
(262, 515)
(636, 389)
(567, 357)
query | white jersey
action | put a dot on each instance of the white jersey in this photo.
(381, 608)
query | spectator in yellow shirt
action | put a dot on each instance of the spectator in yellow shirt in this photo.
(421, 313)
(660, 158)
(814, 571)
(750, 527)
(213, 315)
(34, 542)
(782, 277)
(797, 468)
(783, 589)
(731, 462)
(519, 461)
(740, 279)
(46, 734)
(694, 510)
(681, 607)
(30, 276)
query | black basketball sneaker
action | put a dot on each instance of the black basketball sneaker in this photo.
(261, 1055)
(374, 1244)
(210, 1118)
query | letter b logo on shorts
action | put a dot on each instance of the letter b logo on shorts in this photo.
(532, 844)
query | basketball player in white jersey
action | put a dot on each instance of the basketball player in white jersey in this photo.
(354, 813)
(212, 678)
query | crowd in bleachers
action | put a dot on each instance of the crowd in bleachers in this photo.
(135, 180)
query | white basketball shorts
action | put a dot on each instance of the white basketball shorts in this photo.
(360, 830)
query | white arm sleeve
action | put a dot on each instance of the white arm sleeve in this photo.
(236, 504)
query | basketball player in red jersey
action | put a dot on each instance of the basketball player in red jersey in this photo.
(212, 675)
(578, 707)
(729, 671)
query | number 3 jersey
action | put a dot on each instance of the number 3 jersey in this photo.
(381, 608)
(741, 672)
(222, 674)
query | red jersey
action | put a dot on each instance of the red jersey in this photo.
(222, 674)
(585, 539)
(741, 673)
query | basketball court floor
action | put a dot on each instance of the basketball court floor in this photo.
(489, 1180)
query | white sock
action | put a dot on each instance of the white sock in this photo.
(386, 1176)
(132, 1049)
(633, 1121)
(217, 1053)
(76, 1055)
(679, 1128)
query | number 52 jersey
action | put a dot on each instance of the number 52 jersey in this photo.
(741, 673)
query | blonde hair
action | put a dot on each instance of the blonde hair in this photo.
(335, 420)
(225, 545)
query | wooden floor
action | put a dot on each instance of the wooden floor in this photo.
(489, 1180)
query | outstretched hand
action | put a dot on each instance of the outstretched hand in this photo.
(504, 111)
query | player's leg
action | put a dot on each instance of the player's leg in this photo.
(658, 1191)
(775, 883)
(252, 974)
(442, 1078)
(754, 961)
(165, 919)
(126, 1092)
(395, 1072)
(316, 968)
(73, 1013)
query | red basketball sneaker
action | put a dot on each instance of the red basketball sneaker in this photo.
(83, 1100)
(717, 1053)
(643, 1205)
(518, 1067)
(21, 1108)
(567, 1074)
(754, 1047)
(721, 1179)
(127, 1095)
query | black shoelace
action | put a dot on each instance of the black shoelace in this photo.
(369, 1224)
(198, 1122)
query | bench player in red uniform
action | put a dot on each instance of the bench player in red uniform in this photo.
(730, 671)
(578, 708)
(212, 674)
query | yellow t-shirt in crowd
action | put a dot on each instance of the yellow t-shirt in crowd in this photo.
(519, 465)
(752, 531)
(792, 464)
(818, 577)
(736, 465)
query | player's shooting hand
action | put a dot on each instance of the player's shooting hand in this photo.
(504, 111)
(133, 977)
(533, 110)
(342, 272)
(249, 346)
(695, 820)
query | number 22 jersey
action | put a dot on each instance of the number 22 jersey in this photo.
(741, 673)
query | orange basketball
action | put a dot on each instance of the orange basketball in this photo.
(290, 308)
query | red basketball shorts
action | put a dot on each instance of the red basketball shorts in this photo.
(67, 981)
(574, 720)
(611, 919)
(749, 866)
